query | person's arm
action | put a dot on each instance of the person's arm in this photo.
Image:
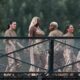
(8, 41)
(31, 34)
(21, 46)
(32, 31)
(51, 34)
(12, 44)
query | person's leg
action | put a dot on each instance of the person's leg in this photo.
(37, 62)
(11, 62)
(46, 65)
(32, 68)
(17, 62)
(67, 58)
(43, 61)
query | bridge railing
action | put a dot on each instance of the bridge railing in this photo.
(54, 55)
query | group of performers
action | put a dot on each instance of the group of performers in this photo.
(38, 55)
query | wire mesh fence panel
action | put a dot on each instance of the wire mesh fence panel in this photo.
(32, 55)
(24, 55)
(39, 55)
(66, 52)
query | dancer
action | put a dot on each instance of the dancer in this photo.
(10, 46)
(37, 54)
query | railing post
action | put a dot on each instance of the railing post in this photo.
(51, 57)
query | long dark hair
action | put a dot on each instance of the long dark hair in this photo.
(65, 31)
(8, 26)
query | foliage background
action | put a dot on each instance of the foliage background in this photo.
(63, 11)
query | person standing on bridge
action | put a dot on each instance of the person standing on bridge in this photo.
(37, 54)
(10, 46)
(69, 55)
(58, 50)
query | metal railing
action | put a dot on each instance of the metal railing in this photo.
(51, 40)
